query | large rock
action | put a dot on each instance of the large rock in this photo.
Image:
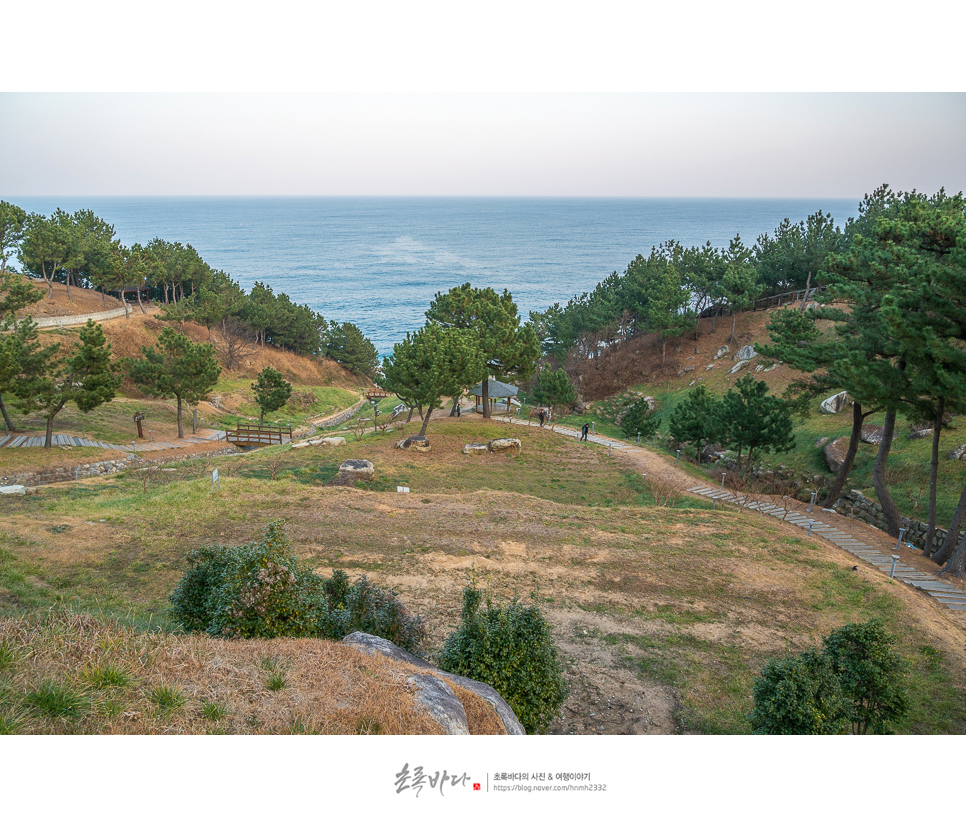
(747, 352)
(504, 444)
(417, 443)
(873, 434)
(357, 470)
(439, 700)
(835, 452)
(377, 645)
(475, 449)
(959, 453)
(724, 350)
(742, 364)
(320, 441)
(13, 489)
(834, 404)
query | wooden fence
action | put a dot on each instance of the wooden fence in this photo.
(255, 436)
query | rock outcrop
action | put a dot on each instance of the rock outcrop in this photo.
(747, 352)
(835, 403)
(418, 443)
(873, 434)
(475, 449)
(357, 470)
(435, 696)
(504, 444)
(835, 452)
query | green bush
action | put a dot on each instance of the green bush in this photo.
(799, 695)
(260, 590)
(855, 683)
(511, 649)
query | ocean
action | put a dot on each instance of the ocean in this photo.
(379, 261)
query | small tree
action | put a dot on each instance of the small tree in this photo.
(553, 388)
(83, 375)
(510, 648)
(181, 369)
(271, 392)
(641, 418)
(753, 420)
(697, 419)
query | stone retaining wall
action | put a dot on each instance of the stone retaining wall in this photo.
(856, 505)
(341, 417)
(71, 321)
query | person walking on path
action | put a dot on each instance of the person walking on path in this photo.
(457, 409)
(583, 431)
(542, 415)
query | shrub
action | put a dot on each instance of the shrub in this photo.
(260, 590)
(855, 683)
(799, 695)
(511, 649)
(871, 674)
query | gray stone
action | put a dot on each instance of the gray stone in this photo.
(724, 350)
(377, 645)
(835, 403)
(873, 434)
(359, 470)
(441, 703)
(747, 352)
(821, 442)
(13, 489)
(709, 367)
(320, 441)
(475, 449)
(504, 444)
(835, 452)
(417, 443)
(738, 367)
(958, 453)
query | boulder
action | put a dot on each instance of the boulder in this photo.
(439, 700)
(834, 453)
(712, 452)
(504, 444)
(13, 489)
(357, 470)
(834, 404)
(739, 366)
(747, 352)
(417, 443)
(475, 449)
(959, 453)
(581, 408)
(821, 442)
(320, 441)
(918, 434)
(724, 350)
(873, 434)
(377, 645)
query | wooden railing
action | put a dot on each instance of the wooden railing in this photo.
(255, 436)
(377, 394)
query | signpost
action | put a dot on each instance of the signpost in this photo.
(214, 481)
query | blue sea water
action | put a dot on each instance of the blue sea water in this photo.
(378, 261)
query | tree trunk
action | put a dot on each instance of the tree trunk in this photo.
(889, 509)
(734, 321)
(142, 309)
(180, 426)
(949, 545)
(956, 566)
(663, 351)
(49, 437)
(422, 430)
(6, 417)
(934, 476)
(486, 396)
(808, 284)
(409, 419)
(714, 320)
(70, 298)
(452, 412)
(857, 419)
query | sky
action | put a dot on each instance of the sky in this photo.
(627, 144)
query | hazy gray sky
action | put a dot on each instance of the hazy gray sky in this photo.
(622, 144)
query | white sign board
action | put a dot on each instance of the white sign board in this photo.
(402, 489)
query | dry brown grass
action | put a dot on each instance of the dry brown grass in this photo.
(219, 686)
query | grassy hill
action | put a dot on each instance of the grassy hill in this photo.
(663, 614)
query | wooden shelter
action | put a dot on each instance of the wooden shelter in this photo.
(496, 390)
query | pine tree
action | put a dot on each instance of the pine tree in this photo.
(271, 392)
(181, 369)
